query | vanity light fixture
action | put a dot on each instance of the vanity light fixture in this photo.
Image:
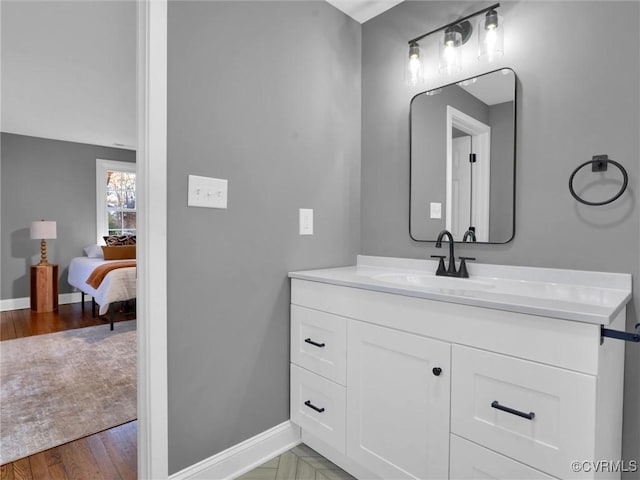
(414, 72)
(450, 54)
(491, 37)
(456, 34)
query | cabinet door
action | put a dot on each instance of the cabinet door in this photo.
(397, 404)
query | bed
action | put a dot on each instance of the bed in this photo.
(119, 285)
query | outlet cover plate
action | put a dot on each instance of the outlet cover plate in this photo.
(435, 210)
(306, 221)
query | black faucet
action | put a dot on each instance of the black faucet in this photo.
(451, 270)
(469, 234)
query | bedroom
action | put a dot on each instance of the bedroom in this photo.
(68, 106)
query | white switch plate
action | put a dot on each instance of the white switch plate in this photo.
(306, 221)
(207, 192)
(435, 210)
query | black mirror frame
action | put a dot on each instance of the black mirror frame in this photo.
(515, 147)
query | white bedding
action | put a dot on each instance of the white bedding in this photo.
(119, 284)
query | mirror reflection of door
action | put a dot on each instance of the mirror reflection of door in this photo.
(460, 184)
(468, 183)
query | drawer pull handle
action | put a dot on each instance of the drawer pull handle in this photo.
(313, 407)
(319, 345)
(528, 416)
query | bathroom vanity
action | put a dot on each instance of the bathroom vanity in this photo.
(396, 373)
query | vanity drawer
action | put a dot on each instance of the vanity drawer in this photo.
(471, 461)
(540, 415)
(318, 406)
(319, 342)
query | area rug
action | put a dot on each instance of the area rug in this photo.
(62, 386)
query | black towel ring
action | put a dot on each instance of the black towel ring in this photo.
(599, 164)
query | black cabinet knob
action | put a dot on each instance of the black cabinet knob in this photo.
(437, 371)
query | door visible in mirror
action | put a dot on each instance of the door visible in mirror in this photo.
(463, 160)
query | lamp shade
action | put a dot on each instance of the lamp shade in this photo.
(42, 230)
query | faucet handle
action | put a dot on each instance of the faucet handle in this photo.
(464, 273)
(441, 269)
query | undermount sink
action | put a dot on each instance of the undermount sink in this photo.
(431, 281)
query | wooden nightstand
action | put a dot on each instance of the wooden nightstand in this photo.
(44, 288)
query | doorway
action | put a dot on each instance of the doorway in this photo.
(151, 73)
(468, 175)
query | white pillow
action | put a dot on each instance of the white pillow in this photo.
(93, 251)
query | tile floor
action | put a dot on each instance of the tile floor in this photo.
(299, 463)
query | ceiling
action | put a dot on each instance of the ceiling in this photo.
(69, 71)
(498, 90)
(363, 10)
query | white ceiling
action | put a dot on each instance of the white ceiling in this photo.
(69, 70)
(363, 10)
(498, 90)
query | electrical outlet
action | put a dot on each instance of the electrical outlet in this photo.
(207, 192)
(306, 221)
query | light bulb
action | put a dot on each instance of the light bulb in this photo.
(414, 70)
(450, 56)
(491, 37)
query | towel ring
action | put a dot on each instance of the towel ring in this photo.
(599, 164)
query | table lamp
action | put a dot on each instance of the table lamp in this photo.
(43, 230)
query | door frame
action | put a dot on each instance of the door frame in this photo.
(152, 248)
(481, 134)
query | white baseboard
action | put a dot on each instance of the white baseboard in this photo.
(245, 456)
(14, 304)
(25, 302)
(75, 297)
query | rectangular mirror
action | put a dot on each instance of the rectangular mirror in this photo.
(463, 160)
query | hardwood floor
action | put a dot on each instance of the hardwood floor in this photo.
(25, 323)
(111, 454)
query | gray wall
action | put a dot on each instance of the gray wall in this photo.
(266, 95)
(576, 99)
(52, 180)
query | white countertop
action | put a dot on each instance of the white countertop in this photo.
(592, 297)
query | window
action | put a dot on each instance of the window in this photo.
(115, 198)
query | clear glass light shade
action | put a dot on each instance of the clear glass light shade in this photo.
(490, 38)
(414, 72)
(450, 52)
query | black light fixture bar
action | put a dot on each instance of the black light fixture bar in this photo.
(460, 20)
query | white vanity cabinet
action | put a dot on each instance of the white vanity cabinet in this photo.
(398, 387)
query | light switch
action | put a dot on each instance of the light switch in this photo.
(207, 192)
(306, 221)
(436, 210)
